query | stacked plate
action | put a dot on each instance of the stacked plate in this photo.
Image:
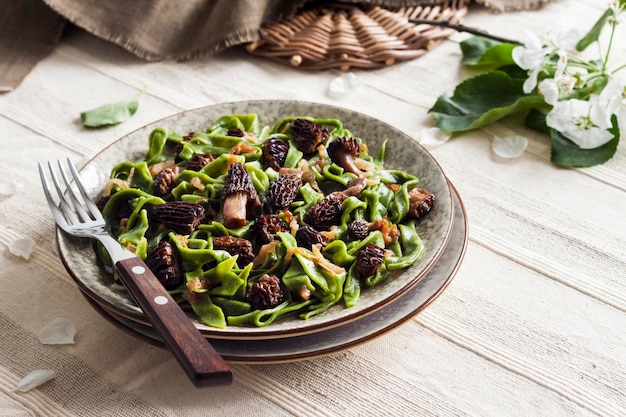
(380, 308)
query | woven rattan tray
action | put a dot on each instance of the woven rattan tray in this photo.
(345, 36)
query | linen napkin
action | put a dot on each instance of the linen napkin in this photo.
(154, 29)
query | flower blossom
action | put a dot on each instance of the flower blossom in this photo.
(613, 98)
(583, 122)
(530, 57)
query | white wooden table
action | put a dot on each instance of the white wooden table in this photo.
(532, 325)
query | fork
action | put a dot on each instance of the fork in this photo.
(79, 216)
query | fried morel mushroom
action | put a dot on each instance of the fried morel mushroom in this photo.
(421, 202)
(274, 153)
(240, 197)
(265, 228)
(198, 161)
(284, 189)
(265, 293)
(235, 246)
(180, 216)
(307, 237)
(308, 135)
(165, 180)
(359, 229)
(327, 212)
(343, 151)
(369, 259)
(164, 263)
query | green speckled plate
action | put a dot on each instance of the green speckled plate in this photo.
(402, 153)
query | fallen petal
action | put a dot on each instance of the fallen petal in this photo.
(22, 247)
(9, 188)
(509, 146)
(345, 83)
(35, 378)
(434, 136)
(59, 331)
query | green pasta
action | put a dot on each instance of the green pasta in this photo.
(245, 224)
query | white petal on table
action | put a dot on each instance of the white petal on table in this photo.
(59, 331)
(35, 379)
(344, 83)
(8, 188)
(509, 146)
(434, 137)
(22, 247)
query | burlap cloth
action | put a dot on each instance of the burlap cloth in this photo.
(152, 29)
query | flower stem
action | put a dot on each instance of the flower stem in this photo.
(608, 50)
(618, 69)
(463, 28)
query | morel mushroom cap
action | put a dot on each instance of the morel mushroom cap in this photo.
(274, 153)
(164, 263)
(307, 237)
(308, 135)
(198, 161)
(284, 189)
(327, 212)
(358, 229)
(265, 293)
(236, 132)
(180, 216)
(165, 180)
(369, 259)
(235, 246)
(265, 228)
(342, 151)
(240, 196)
(421, 202)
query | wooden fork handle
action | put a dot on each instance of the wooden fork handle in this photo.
(201, 362)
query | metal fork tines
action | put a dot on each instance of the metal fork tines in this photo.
(77, 214)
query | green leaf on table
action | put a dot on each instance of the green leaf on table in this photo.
(483, 52)
(594, 32)
(110, 114)
(567, 154)
(482, 100)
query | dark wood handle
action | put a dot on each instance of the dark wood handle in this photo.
(199, 359)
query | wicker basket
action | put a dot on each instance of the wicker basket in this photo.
(346, 36)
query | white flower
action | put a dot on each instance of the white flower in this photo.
(564, 39)
(613, 97)
(582, 122)
(549, 90)
(617, 8)
(553, 89)
(530, 57)
(614, 94)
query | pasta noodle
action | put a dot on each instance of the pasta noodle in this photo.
(346, 221)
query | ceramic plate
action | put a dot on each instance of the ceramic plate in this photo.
(341, 337)
(402, 153)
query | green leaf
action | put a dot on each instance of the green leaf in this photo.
(536, 119)
(594, 32)
(110, 114)
(567, 154)
(479, 51)
(482, 100)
